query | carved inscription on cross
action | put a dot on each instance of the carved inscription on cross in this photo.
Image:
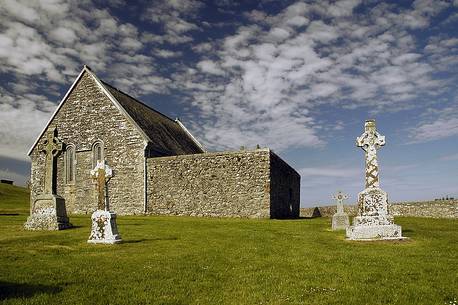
(52, 146)
(370, 141)
(340, 197)
(101, 174)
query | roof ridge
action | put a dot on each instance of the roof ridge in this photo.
(140, 102)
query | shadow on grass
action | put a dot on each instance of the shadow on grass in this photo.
(9, 214)
(134, 241)
(16, 290)
(74, 227)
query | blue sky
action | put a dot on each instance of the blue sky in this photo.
(299, 77)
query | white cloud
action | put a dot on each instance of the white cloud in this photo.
(64, 35)
(297, 21)
(19, 10)
(263, 84)
(43, 46)
(439, 129)
(209, 67)
(21, 119)
(282, 67)
(167, 53)
(174, 17)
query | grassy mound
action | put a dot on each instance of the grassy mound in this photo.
(13, 199)
(184, 260)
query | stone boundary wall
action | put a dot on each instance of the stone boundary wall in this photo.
(221, 184)
(433, 209)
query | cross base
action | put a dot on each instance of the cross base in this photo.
(340, 221)
(373, 221)
(104, 228)
(374, 232)
(48, 213)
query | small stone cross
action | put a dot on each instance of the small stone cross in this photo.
(340, 197)
(101, 174)
(52, 146)
(370, 141)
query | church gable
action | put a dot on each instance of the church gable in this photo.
(87, 119)
(89, 102)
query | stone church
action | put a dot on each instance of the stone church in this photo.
(159, 167)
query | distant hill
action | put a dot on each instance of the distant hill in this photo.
(14, 199)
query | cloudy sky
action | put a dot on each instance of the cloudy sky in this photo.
(299, 77)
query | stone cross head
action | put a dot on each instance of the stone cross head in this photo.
(370, 139)
(52, 146)
(340, 197)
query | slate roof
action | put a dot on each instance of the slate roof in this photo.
(168, 137)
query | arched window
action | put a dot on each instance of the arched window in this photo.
(70, 160)
(97, 153)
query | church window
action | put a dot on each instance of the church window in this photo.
(70, 160)
(97, 153)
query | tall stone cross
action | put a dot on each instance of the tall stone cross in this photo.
(340, 197)
(101, 174)
(370, 141)
(52, 146)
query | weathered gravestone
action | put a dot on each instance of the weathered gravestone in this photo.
(340, 220)
(48, 211)
(373, 220)
(104, 228)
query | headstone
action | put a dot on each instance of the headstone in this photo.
(340, 220)
(48, 211)
(104, 228)
(373, 220)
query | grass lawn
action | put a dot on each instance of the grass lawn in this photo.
(184, 260)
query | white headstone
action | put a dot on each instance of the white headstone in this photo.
(104, 228)
(340, 220)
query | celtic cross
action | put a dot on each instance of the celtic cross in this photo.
(340, 197)
(101, 174)
(52, 146)
(370, 141)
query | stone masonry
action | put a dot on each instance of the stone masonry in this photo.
(254, 184)
(159, 167)
(373, 220)
(87, 116)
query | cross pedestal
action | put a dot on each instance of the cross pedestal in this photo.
(104, 229)
(373, 220)
(340, 220)
(48, 211)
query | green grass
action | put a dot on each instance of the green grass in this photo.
(184, 260)
(13, 199)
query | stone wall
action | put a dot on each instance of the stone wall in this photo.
(285, 185)
(87, 116)
(434, 209)
(221, 184)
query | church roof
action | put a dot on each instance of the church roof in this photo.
(165, 136)
(170, 136)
